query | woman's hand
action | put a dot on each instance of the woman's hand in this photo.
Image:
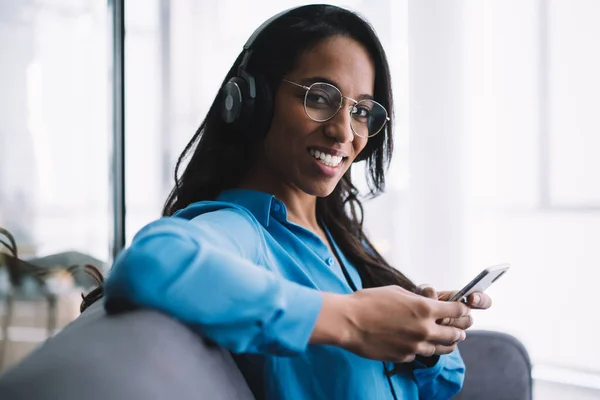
(389, 324)
(476, 300)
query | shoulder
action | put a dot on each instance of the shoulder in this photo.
(223, 222)
(204, 218)
(208, 225)
(219, 213)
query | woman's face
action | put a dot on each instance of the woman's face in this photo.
(294, 140)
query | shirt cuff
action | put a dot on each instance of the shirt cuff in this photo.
(290, 331)
(442, 381)
(450, 362)
(426, 362)
(426, 372)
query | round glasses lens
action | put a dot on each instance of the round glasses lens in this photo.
(322, 101)
(368, 118)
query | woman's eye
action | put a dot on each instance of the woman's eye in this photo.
(315, 98)
(361, 112)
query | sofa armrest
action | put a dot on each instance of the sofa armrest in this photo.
(141, 355)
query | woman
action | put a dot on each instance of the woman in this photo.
(261, 249)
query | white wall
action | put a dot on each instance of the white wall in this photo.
(504, 132)
(436, 131)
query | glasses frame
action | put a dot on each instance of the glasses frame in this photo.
(342, 97)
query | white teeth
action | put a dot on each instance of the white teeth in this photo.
(327, 159)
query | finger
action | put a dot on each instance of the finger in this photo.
(426, 349)
(427, 290)
(446, 295)
(441, 309)
(479, 300)
(440, 349)
(446, 335)
(407, 359)
(460, 323)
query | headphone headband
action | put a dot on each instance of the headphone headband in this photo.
(255, 34)
(262, 27)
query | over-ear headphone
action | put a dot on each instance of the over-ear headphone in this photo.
(241, 96)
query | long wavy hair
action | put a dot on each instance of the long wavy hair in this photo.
(219, 154)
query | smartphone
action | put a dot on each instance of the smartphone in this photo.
(481, 281)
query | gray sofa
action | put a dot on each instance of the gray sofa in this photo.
(140, 355)
(144, 355)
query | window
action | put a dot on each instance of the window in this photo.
(55, 151)
(531, 177)
(55, 130)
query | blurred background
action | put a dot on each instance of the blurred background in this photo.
(496, 124)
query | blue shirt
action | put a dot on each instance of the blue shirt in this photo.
(241, 274)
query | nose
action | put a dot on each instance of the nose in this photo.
(338, 127)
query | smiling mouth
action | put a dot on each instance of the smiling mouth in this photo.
(327, 159)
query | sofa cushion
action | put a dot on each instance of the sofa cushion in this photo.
(135, 355)
(498, 367)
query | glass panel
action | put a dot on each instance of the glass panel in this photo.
(553, 251)
(55, 126)
(54, 146)
(573, 86)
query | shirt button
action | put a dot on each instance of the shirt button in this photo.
(330, 261)
(276, 207)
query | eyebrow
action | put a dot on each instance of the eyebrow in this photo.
(309, 81)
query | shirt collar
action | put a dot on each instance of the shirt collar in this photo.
(261, 205)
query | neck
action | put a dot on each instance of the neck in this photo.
(302, 210)
(301, 207)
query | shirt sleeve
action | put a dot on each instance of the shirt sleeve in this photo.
(443, 380)
(206, 272)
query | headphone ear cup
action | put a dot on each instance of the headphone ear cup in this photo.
(235, 101)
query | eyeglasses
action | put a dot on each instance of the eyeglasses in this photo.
(323, 101)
